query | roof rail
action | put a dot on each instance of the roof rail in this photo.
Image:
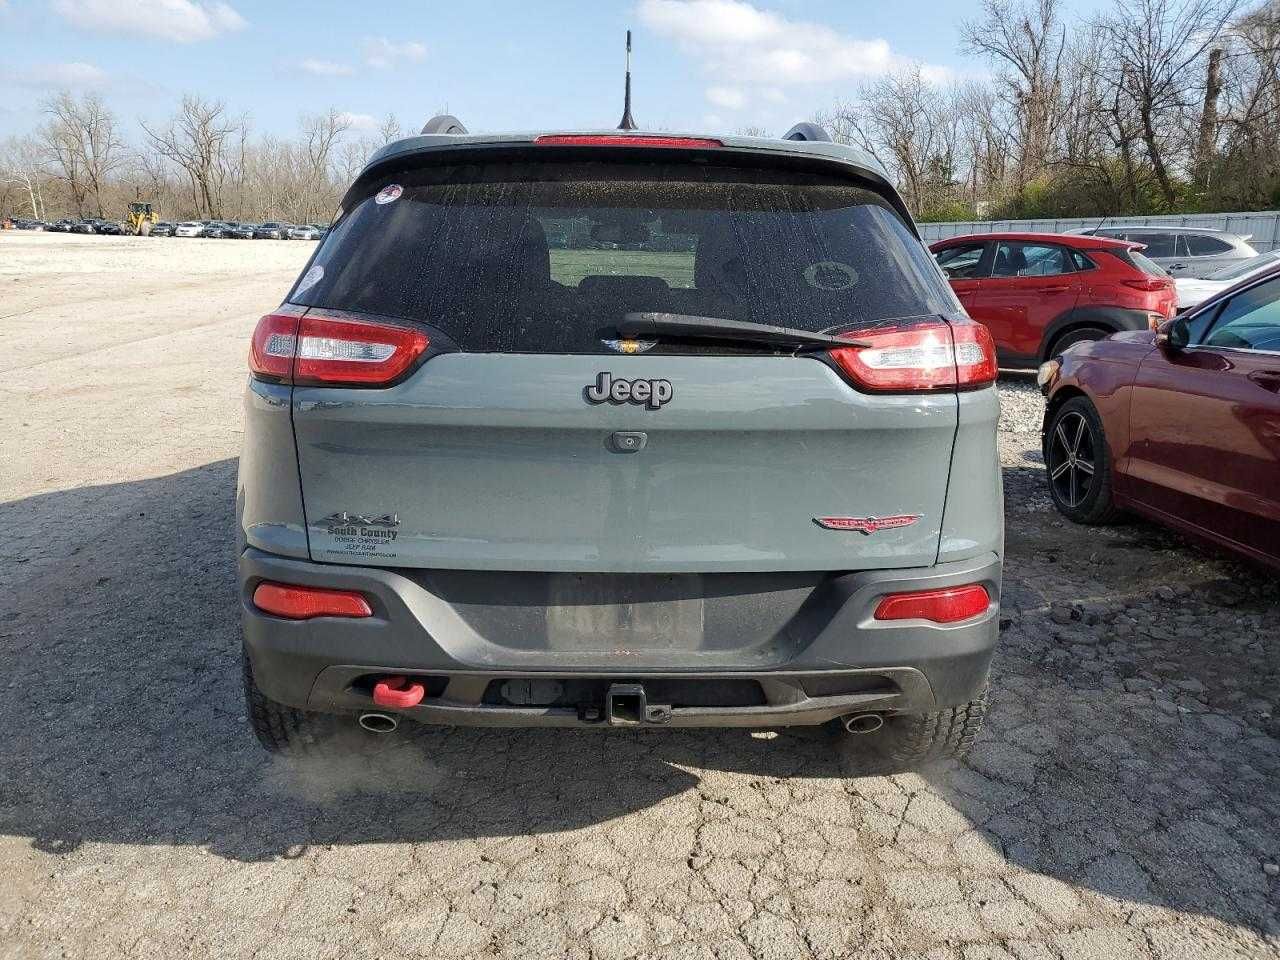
(807, 131)
(443, 123)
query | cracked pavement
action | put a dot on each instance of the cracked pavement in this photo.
(1122, 803)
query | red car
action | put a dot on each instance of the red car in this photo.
(1182, 425)
(1039, 293)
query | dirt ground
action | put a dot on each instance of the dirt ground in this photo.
(1124, 803)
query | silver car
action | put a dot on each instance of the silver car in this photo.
(621, 429)
(1185, 251)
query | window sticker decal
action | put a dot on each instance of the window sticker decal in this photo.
(310, 278)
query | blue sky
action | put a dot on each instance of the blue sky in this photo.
(713, 65)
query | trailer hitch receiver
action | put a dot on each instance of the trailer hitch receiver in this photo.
(626, 705)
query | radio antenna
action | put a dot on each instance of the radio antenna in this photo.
(627, 123)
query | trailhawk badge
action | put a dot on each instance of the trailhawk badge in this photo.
(867, 525)
(617, 390)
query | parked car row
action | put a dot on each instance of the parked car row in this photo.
(234, 230)
(1163, 392)
(226, 229)
(1041, 293)
(67, 225)
(1181, 425)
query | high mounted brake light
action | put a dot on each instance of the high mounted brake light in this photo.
(326, 351)
(920, 356)
(623, 140)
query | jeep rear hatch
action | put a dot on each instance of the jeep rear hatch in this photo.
(513, 365)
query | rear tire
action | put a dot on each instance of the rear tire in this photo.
(1078, 463)
(908, 740)
(282, 729)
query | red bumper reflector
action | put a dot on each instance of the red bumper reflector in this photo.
(949, 605)
(398, 692)
(302, 603)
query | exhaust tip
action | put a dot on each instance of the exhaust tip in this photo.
(378, 722)
(862, 722)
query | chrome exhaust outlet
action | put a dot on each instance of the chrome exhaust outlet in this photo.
(379, 722)
(862, 722)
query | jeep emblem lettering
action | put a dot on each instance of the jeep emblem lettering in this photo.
(648, 393)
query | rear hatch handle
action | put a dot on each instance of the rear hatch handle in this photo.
(689, 326)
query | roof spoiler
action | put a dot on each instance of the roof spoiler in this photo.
(807, 131)
(443, 123)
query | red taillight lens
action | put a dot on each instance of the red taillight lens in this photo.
(334, 351)
(275, 340)
(976, 364)
(1148, 284)
(949, 605)
(928, 355)
(326, 351)
(303, 603)
(623, 140)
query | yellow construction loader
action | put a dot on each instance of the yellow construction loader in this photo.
(141, 218)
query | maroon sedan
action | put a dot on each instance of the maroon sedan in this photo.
(1182, 425)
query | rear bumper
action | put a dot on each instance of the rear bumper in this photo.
(828, 658)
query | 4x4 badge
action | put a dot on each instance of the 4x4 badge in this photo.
(345, 519)
(608, 389)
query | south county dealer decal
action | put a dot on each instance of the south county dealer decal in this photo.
(362, 535)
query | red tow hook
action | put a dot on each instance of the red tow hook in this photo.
(398, 692)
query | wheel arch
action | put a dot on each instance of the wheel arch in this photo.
(1112, 319)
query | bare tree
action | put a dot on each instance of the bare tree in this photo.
(320, 136)
(1156, 51)
(1027, 40)
(910, 126)
(389, 130)
(82, 140)
(22, 163)
(198, 139)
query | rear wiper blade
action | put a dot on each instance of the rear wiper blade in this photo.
(716, 328)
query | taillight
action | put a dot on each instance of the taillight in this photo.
(274, 341)
(623, 140)
(326, 351)
(921, 356)
(948, 605)
(302, 603)
(1147, 284)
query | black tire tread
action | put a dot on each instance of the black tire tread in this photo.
(911, 739)
(1104, 511)
(282, 729)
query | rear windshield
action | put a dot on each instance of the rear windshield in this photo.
(1136, 259)
(546, 257)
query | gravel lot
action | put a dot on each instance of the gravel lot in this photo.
(1123, 804)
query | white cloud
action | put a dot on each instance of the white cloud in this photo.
(730, 98)
(59, 76)
(755, 54)
(183, 21)
(326, 68)
(358, 121)
(381, 53)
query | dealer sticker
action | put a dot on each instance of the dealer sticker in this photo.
(389, 194)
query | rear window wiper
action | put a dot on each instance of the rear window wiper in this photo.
(689, 326)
